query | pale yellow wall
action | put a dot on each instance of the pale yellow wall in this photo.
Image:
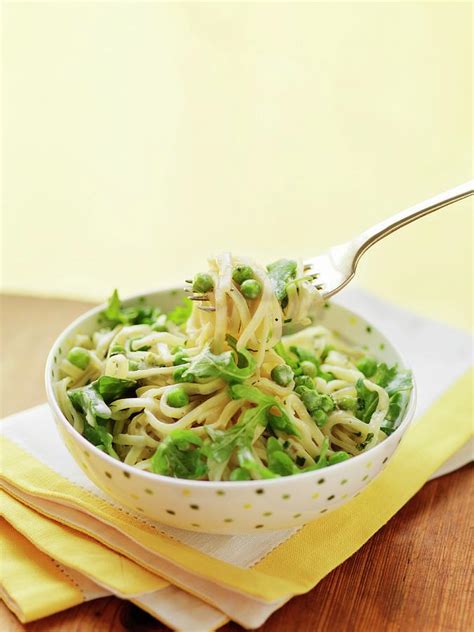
(138, 138)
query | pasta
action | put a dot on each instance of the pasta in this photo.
(215, 391)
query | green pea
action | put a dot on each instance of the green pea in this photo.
(320, 417)
(305, 381)
(309, 368)
(79, 357)
(177, 397)
(327, 403)
(310, 399)
(178, 374)
(133, 366)
(282, 374)
(242, 273)
(251, 288)
(367, 366)
(203, 282)
(239, 474)
(180, 357)
(347, 403)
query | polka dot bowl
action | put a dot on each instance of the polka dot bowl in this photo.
(231, 507)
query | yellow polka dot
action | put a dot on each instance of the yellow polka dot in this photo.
(353, 320)
(247, 506)
(316, 495)
(186, 492)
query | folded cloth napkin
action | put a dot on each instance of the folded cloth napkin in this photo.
(52, 587)
(244, 577)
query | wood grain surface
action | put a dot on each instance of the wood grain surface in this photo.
(414, 574)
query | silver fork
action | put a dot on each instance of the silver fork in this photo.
(336, 267)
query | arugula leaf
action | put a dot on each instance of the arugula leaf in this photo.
(402, 381)
(92, 400)
(180, 455)
(249, 463)
(289, 359)
(112, 388)
(101, 438)
(305, 355)
(366, 403)
(322, 459)
(281, 272)
(338, 457)
(364, 444)
(276, 415)
(88, 401)
(224, 442)
(180, 314)
(384, 375)
(115, 314)
(278, 460)
(208, 365)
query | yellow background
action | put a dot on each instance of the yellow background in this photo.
(140, 137)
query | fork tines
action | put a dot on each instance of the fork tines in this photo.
(206, 309)
(199, 297)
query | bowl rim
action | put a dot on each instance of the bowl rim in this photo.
(180, 482)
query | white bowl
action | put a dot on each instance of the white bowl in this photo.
(230, 507)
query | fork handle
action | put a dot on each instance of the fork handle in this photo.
(371, 236)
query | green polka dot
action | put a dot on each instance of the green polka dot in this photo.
(286, 496)
(385, 459)
(220, 492)
(59, 351)
(368, 329)
(344, 481)
(126, 474)
(321, 481)
(331, 497)
(54, 360)
(297, 515)
(140, 509)
(171, 512)
(365, 477)
(195, 507)
(259, 491)
(148, 491)
(323, 511)
(87, 454)
(134, 496)
(381, 346)
(108, 474)
(267, 513)
(228, 520)
(195, 524)
(258, 526)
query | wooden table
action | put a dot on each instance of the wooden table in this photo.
(413, 574)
